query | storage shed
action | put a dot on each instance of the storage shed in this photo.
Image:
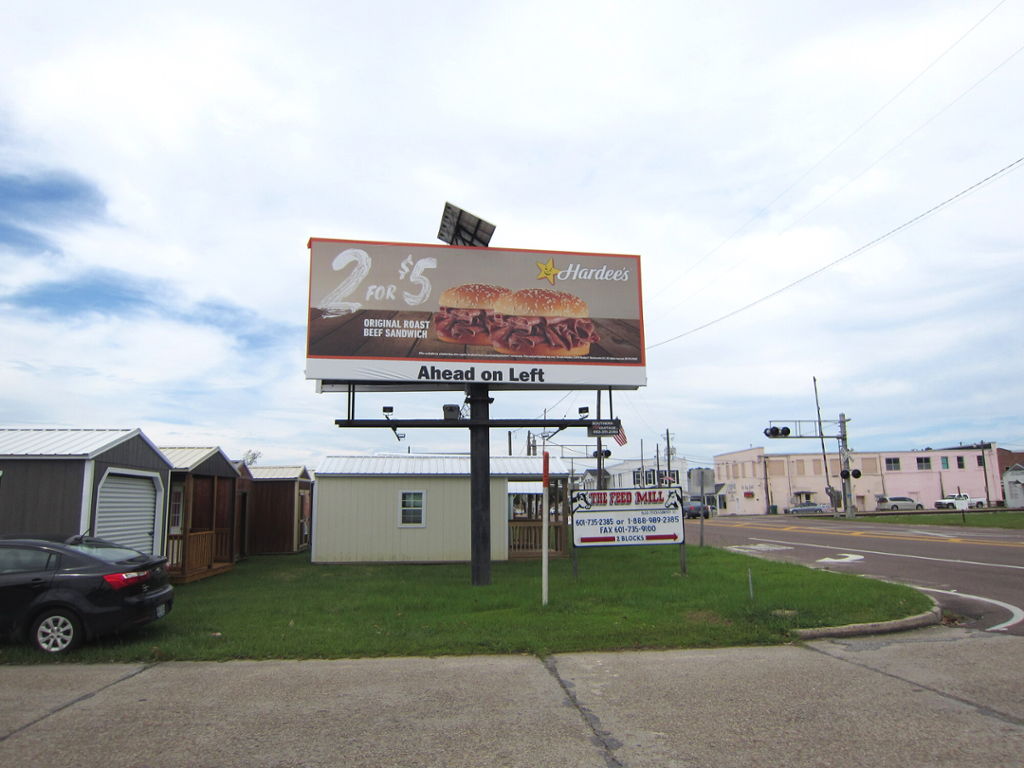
(110, 483)
(415, 508)
(203, 525)
(279, 515)
(1013, 486)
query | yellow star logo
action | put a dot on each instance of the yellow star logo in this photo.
(548, 271)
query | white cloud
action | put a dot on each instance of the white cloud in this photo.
(224, 135)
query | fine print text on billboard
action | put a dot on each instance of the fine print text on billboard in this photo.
(439, 317)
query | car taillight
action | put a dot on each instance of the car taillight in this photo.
(122, 580)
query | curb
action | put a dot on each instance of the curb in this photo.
(934, 616)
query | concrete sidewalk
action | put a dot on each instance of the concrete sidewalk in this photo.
(932, 697)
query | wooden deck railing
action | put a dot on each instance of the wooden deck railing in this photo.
(524, 538)
(199, 552)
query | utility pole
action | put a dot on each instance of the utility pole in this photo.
(668, 457)
(844, 457)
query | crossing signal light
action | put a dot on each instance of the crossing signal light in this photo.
(847, 473)
(777, 432)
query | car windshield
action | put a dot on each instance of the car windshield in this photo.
(103, 550)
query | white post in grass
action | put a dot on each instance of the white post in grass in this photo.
(544, 533)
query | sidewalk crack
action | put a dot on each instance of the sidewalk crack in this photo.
(601, 738)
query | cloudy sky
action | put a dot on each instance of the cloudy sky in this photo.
(816, 189)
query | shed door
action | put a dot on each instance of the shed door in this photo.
(126, 511)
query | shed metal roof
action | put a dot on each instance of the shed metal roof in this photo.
(406, 464)
(64, 443)
(279, 473)
(190, 458)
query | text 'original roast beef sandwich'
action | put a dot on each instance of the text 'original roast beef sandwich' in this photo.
(536, 321)
(467, 313)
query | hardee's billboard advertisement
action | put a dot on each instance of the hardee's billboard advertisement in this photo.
(439, 316)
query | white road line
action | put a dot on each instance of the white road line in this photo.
(1016, 614)
(893, 554)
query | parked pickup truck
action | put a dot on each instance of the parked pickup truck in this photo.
(949, 501)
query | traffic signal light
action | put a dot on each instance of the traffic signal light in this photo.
(777, 432)
(604, 454)
(846, 474)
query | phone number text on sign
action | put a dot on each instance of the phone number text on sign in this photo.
(613, 528)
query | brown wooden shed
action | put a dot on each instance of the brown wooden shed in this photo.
(279, 513)
(203, 526)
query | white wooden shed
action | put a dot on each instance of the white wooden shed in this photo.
(411, 508)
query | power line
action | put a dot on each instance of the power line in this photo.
(832, 152)
(906, 225)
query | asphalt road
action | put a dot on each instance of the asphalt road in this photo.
(976, 573)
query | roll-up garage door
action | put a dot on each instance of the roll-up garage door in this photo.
(126, 511)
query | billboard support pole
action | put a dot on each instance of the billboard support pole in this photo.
(480, 484)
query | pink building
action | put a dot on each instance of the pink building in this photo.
(755, 481)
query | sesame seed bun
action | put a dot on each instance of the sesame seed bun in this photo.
(472, 296)
(539, 302)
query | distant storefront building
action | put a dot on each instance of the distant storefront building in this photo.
(755, 481)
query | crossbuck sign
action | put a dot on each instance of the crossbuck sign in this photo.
(627, 516)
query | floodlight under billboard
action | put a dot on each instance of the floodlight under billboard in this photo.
(459, 227)
(409, 317)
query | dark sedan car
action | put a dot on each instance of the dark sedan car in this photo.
(59, 591)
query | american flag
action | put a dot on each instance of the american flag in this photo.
(621, 437)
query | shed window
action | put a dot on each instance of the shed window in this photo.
(412, 512)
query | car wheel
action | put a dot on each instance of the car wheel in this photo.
(894, 508)
(919, 506)
(57, 631)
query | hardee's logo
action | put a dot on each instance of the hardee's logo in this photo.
(576, 272)
(548, 271)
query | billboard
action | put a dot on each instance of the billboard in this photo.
(408, 316)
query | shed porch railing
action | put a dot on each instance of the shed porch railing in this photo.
(524, 539)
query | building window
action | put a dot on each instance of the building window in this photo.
(174, 516)
(945, 462)
(892, 465)
(981, 460)
(670, 478)
(959, 462)
(637, 478)
(924, 462)
(412, 513)
(800, 468)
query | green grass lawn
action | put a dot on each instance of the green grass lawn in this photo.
(1011, 520)
(282, 607)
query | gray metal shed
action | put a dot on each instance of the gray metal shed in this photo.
(110, 483)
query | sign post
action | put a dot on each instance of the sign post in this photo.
(545, 534)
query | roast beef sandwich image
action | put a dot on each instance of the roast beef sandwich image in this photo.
(536, 321)
(467, 312)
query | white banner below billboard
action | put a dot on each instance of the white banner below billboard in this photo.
(406, 316)
(627, 516)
